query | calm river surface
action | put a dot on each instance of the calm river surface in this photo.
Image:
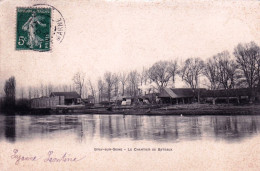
(133, 128)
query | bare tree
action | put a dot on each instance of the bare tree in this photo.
(143, 76)
(46, 90)
(50, 89)
(92, 89)
(29, 92)
(173, 70)
(191, 71)
(101, 87)
(110, 80)
(116, 85)
(211, 72)
(35, 92)
(159, 73)
(85, 91)
(79, 79)
(65, 87)
(122, 79)
(42, 90)
(248, 59)
(22, 93)
(226, 68)
(133, 79)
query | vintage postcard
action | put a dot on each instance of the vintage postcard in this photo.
(129, 85)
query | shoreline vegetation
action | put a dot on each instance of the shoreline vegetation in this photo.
(182, 110)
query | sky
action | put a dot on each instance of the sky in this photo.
(120, 36)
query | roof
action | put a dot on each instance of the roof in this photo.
(67, 95)
(226, 93)
(150, 95)
(179, 92)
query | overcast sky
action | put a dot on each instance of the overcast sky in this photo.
(113, 36)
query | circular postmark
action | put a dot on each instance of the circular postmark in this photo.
(58, 26)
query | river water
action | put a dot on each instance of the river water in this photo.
(193, 142)
(134, 128)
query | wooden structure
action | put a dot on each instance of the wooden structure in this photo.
(55, 99)
(179, 95)
(228, 95)
(67, 98)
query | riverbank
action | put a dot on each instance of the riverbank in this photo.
(189, 109)
(185, 109)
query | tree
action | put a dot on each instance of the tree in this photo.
(35, 92)
(84, 92)
(248, 59)
(190, 72)
(116, 85)
(159, 73)
(50, 89)
(221, 71)
(29, 92)
(22, 93)
(173, 70)
(101, 87)
(143, 76)
(122, 79)
(133, 78)
(92, 89)
(10, 91)
(110, 80)
(211, 72)
(65, 87)
(79, 79)
(144, 84)
(226, 69)
(42, 90)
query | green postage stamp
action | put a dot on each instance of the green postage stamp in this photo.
(33, 29)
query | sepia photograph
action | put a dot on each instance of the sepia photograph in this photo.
(129, 85)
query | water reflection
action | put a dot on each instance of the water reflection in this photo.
(113, 127)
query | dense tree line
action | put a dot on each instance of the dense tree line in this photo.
(224, 70)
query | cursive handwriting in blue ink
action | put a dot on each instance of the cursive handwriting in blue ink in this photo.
(51, 158)
(64, 158)
(20, 158)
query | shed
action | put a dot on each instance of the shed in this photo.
(67, 98)
(178, 95)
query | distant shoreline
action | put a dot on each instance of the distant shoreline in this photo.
(186, 109)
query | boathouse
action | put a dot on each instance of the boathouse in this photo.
(56, 98)
(179, 95)
(230, 95)
(67, 98)
(44, 102)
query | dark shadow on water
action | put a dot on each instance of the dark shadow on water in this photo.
(10, 128)
(112, 127)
